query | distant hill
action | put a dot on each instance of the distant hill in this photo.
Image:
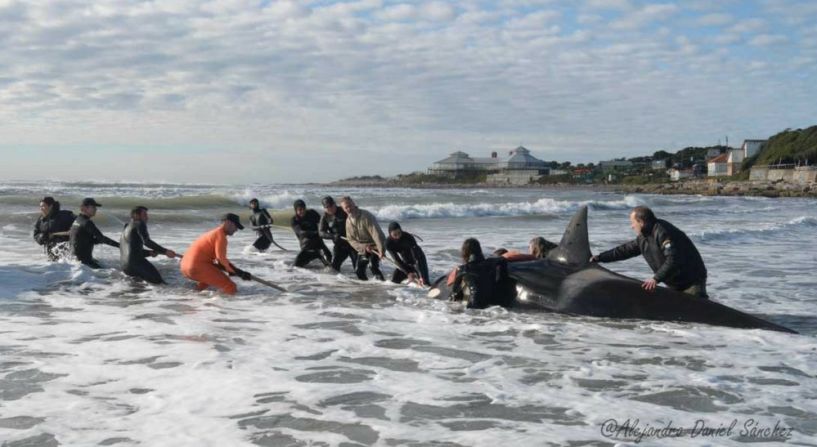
(790, 146)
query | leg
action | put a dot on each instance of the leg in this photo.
(92, 263)
(146, 271)
(262, 243)
(375, 260)
(340, 253)
(422, 266)
(211, 276)
(360, 266)
(398, 276)
(306, 256)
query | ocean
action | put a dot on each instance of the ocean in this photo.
(96, 358)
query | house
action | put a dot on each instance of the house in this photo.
(734, 161)
(718, 166)
(659, 165)
(751, 147)
(612, 165)
(680, 174)
(518, 167)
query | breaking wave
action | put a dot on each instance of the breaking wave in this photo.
(727, 234)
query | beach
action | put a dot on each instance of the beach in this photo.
(96, 358)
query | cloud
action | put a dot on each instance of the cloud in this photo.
(644, 16)
(325, 80)
(715, 19)
(768, 39)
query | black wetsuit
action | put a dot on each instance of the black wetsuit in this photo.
(57, 221)
(408, 256)
(485, 283)
(670, 254)
(132, 254)
(83, 236)
(312, 246)
(260, 218)
(334, 227)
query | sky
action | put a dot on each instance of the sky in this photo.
(234, 91)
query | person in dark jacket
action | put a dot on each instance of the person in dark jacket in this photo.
(482, 282)
(539, 247)
(407, 255)
(260, 220)
(305, 225)
(51, 228)
(131, 248)
(333, 227)
(669, 252)
(84, 234)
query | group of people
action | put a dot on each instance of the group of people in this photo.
(355, 235)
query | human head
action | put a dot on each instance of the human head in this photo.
(329, 205)
(253, 204)
(139, 213)
(348, 205)
(300, 207)
(231, 223)
(395, 231)
(540, 247)
(89, 206)
(45, 205)
(641, 218)
(471, 250)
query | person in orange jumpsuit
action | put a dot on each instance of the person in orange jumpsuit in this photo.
(204, 261)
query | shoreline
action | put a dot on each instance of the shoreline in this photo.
(706, 187)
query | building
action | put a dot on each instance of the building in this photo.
(718, 166)
(660, 165)
(734, 161)
(751, 147)
(517, 165)
(680, 174)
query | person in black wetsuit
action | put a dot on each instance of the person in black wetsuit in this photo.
(51, 228)
(84, 234)
(668, 251)
(540, 247)
(409, 257)
(260, 220)
(333, 227)
(482, 282)
(305, 225)
(131, 248)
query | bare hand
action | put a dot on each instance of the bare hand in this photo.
(649, 285)
(412, 277)
(170, 254)
(594, 259)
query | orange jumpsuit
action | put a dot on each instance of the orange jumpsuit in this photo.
(197, 263)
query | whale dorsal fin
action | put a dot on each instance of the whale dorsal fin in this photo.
(574, 248)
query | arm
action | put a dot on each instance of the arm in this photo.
(376, 233)
(39, 236)
(147, 241)
(221, 252)
(324, 230)
(98, 237)
(670, 264)
(624, 251)
(392, 247)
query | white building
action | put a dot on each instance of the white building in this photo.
(518, 159)
(680, 174)
(751, 147)
(718, 166)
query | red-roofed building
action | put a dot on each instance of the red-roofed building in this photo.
(718, 166)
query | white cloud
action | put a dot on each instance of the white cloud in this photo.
(768, 39)
(437, 11)
(715, 19)
(644, 16)
(609, 4)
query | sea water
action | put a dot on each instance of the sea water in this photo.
(96, 358)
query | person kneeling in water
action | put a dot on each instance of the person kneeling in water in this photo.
(407, 255)
(482, 282)
(132, 254)
(204, 261)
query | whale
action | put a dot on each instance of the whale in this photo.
(566, 282)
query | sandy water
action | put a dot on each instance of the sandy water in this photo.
(95, 358)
